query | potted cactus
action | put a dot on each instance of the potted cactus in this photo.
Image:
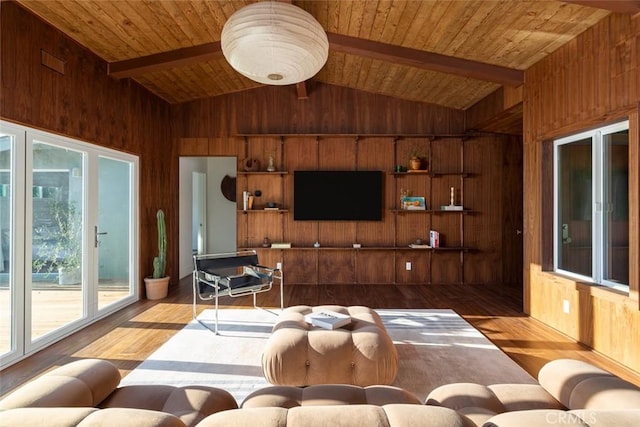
(157, 286)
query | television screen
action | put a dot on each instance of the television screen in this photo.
(338, 195)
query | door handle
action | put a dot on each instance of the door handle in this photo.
(96, 242)
(565, 234)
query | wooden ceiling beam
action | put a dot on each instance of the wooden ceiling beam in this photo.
(164, 60)
(339, 43)
(425, 60)
(625, 7)
(301, 90)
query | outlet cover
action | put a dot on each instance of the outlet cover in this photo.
(408, 265)
(566, 307)
(278, 265)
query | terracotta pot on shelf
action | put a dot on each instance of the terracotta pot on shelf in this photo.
(415, 163)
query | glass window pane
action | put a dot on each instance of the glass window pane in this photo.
(616, 214)
(114, 218)
(57, 294)
(7, 338)
(575, 207)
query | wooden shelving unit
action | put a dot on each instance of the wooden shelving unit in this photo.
(385, 252)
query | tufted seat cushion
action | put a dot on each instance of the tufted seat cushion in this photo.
(394, 415)
(580, 385)
(189, 403)
(328, 394)
(84, 382)
(86, 392)
(570, 392)
(298, 354)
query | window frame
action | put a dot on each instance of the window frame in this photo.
(598, 159)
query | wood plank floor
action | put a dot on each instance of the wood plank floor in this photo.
(129, 336)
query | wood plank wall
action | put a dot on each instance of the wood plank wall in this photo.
(329, 110)
(494, 192)
(593, 80)
(84, 103)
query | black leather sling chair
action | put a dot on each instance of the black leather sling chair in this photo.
(233, 274)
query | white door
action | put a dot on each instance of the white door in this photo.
(56, 281)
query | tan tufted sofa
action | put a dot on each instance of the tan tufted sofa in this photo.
(86, 393)
(569, 393)
(298, 354)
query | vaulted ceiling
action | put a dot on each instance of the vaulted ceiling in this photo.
(445, 52)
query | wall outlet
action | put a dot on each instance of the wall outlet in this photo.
(566, 307)
(278, 265)
(408, 265)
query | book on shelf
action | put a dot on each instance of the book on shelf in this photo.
(327, 319)
(413, 203)
(451, 208)
(271, 209)
(419, 246)
(281, 245)
(434, 239)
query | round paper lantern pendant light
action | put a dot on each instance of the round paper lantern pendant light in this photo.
(274, 43)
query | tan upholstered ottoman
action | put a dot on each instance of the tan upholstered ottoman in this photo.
(299, 354)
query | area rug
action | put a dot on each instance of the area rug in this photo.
(435, 347)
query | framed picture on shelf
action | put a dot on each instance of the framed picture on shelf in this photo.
(413, 203)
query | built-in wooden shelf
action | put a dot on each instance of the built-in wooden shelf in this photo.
(363, 248)
(430, 211)
(432, 174)
(252, 211)
(263, 173)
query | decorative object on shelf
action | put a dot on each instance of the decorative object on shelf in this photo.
(434, 239)
(400, 169)
(316, 244)
(417, 159)
(157, 286)
(228, 188)
(419, 246)
(357, 245)
(413, 203)
(274, 43)
(251, 165)
(452, 206)
(266, 243)
(403, 194)
(281, 245)
(272, 205)
(271, 167)
(247, 201)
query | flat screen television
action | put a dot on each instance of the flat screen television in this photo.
(338, 195)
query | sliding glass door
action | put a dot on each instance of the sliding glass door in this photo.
(12, 144)
(56, 210)
(68, 232)
(113, 237)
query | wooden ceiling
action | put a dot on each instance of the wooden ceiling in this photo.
(449, 53)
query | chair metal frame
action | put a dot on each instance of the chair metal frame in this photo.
(219, 271)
